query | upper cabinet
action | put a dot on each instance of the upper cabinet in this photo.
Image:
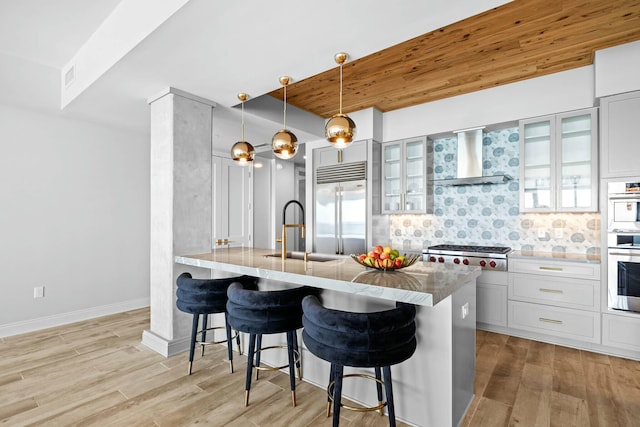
(619, 132)
(356, 152)
(559, 163)
(404, 176)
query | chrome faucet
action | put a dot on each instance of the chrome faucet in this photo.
(283, 239)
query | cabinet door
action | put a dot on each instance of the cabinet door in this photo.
(620, 147)
(577, 167)
(491, 302)
(415, 170)
(231, 204)
(537, 174)
(392, 177)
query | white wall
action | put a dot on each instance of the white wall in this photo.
(74, 217)
(554, 93)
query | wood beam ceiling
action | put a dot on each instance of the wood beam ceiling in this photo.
(517, 41)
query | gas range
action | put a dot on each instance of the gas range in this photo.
(486, 257)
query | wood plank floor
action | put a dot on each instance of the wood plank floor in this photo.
(97, 373)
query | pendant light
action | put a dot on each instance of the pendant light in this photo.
(340, 129)
(243, 152)
(284, 143)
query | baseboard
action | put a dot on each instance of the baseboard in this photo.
(165, 347)
(32, 325)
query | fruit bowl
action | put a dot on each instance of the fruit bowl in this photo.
(380, 264)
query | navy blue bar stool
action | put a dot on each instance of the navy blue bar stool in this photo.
(202, 297)
(363, 340)
(267, 312)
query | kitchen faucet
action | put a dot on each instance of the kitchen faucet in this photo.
(283, 239)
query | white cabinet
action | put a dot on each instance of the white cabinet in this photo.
(549, 320)
(404, 176)
(559, 163)
(231, 199)
(552, 297)
(619, 135)
(491, 298)
(621, 331)
(356, 152)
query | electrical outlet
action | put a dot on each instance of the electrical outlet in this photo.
(559, 233)
(38, 292)
(541, 233)
(465, 310)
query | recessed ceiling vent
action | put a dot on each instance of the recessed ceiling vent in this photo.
(70, 76)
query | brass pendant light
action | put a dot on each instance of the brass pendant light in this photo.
(284, 143)
(243, 152)
(340, 129)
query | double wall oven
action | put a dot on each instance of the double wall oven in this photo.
(623, 241)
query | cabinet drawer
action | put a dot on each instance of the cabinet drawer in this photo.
(559, 291)
(556, 321)
(578, 270)
(621, 331)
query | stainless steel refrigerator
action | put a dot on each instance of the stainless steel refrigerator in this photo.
(340, 214)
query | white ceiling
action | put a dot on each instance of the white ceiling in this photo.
(213, 49)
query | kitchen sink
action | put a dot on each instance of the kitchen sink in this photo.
(316, 257)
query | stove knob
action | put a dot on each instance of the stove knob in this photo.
(492, 264)
(456, 261)
(483, 263)
(432, 259)
(465, 261)
(440, 259)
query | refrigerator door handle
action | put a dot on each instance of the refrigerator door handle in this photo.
(340, 242)
(336, 219)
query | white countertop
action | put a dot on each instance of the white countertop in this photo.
(422, 284)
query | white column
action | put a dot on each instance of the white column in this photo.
(181, 208)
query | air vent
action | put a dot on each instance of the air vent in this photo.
(341, 172)
(70, 76)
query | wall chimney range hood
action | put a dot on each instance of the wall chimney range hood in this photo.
(469, 171)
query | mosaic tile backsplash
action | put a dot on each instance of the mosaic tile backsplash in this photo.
(489, 214)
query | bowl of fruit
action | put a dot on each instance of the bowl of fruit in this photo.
(385, 258)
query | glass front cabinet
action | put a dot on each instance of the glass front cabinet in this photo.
(404, 176)
(559, 163)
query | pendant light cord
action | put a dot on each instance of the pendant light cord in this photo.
(242, 121)
(284, 124)
(340, 88)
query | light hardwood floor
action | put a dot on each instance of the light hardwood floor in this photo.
(97, 373)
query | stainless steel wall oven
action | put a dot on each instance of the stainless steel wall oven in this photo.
(623, 241)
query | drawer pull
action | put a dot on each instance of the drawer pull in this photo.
(550, 291)
(555, 322)
(551, 268)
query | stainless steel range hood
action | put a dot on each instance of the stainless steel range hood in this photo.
(470, 161)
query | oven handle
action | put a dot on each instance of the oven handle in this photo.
(623, 197)
(631, 253)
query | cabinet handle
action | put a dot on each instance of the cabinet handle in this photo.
(554, 321)
(550, 268)
(551, 291)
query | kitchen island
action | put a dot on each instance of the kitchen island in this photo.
(435, 386)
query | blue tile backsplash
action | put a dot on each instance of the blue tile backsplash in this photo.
(489, 214)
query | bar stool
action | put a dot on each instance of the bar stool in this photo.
(364, 340)
(204, 297)
(267, 312)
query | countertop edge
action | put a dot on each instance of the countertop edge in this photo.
(422, 298)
